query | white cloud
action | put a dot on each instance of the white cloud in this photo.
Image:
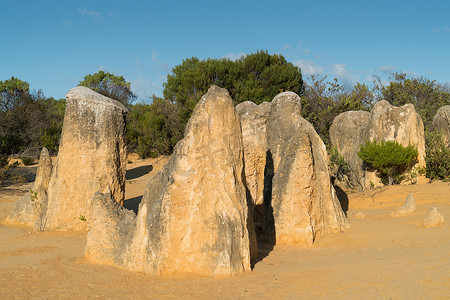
(340, 70)
(102, 68)
(139, 63)
(145, 88)
(235, 56)
(412, 74)
(112, 15)
(95, 15)
(165, 67)
(444, 29)
(66, 23)
(155, 56)
(160, 64)
(387, 69)
(308, 67)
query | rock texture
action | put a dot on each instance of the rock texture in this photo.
(347, 133)
(31, 208)
(253, 123)
(401, 124)
(193, 215)
(300, 202)
(441, 122)
(409, 207)
(92, 156)
(108, 224)
(433, 218)
(384, 123)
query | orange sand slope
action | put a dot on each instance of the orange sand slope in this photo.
(378, 257)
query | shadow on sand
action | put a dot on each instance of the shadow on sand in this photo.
(133, 204)
(138, 172)
(343, 198)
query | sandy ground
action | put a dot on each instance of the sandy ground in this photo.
(379, 257)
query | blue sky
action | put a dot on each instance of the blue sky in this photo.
(54, 44)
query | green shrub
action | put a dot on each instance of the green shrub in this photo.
(27, 161)
(389, 158)
(437, 157)
(154, 129)
(338, 165)
(3, 160)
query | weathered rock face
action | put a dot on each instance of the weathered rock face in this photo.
(385, 122)
(193, 215)
(408, 207)
(92, 156)
(347, 133)
(441, 122)
(433, 217)
(401, 124)
(31, 208)
(108, 224)
(253, 122)
(300, 202)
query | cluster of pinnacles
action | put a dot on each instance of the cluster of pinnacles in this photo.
(240, 176)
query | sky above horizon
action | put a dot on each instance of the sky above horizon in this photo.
(53, 44)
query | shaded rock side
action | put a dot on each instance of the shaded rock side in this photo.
(300, 202)
(347, 133)
(441, 123)
(193, 215)
(31, 208)
(253, 120)
(92, 156)
(108, 224)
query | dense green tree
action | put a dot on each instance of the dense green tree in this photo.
(389, 158)
(13, 92)
(110, 85)
(153, 129)
(255, 77)
(28, 120)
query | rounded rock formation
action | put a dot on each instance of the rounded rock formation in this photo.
(441, 123)
(385, 122)
(300, 202)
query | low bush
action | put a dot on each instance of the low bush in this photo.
(338, 166)
(27, 161)
(437, 157)
(390, 159)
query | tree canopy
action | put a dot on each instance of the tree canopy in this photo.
(389, 158)
(28, 120)
(425, 94)
(255, 77)
(110, 85)
(12, 92)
